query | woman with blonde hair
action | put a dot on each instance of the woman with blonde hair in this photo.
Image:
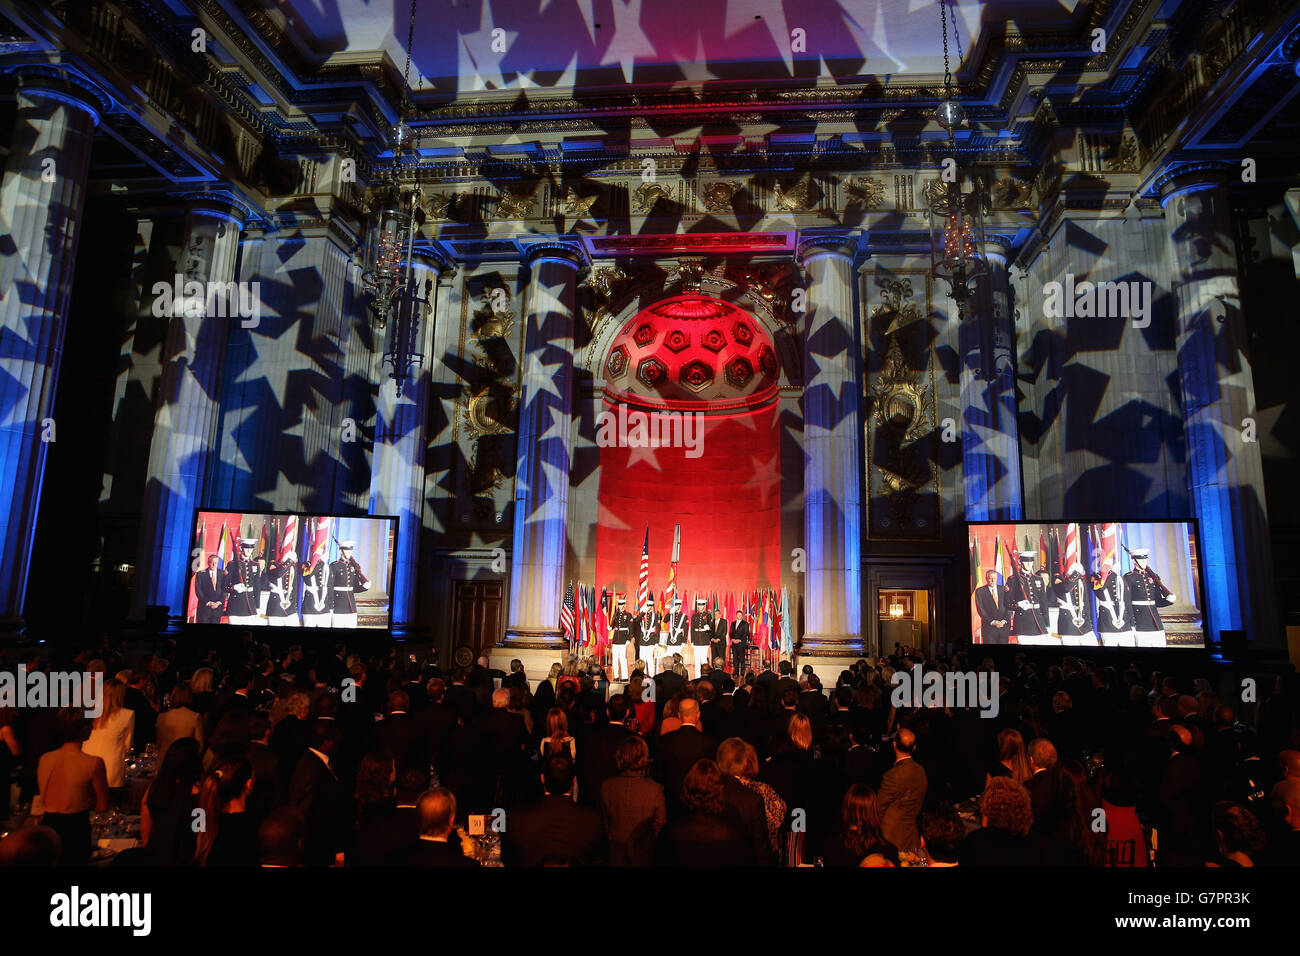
(110, 737)
(1013, 761)
(201, 686)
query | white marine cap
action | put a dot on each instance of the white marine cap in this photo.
(247, 542)
(347, 545)
(1027, 554)
(1140, 553)
(622, 599)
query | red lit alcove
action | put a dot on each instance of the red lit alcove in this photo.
(688, 354)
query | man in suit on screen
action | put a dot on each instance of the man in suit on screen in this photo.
(209, 588)
(993, 609)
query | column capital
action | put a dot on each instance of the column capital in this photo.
(811, 244)
(65, 85)
(997, 245)
(222, 203)
(1179, 178)
(536, 249)
(435, 257)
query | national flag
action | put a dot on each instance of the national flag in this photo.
(643, 596)
(787, 628)
(977, 581)
(566, 614)
(975, 564)
(1071, 545)
(602, 619)
(289, 537)
(1042, 553)
(670, 591)
(997, 559)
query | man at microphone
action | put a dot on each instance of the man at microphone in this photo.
(347, 580)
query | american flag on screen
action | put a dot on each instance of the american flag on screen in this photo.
(566, 614)
(643, 577)
(289, 537)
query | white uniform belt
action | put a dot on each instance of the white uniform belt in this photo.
(342, 589)
(1144, 602)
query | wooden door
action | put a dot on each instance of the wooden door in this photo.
(477, 615)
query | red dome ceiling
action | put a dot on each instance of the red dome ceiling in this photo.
(690, 351)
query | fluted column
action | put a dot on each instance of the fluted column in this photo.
(41, 204)
(397, 464)
(542, 475)
(201, 306)
(1224, 470)
(990, 431)
(832, 451)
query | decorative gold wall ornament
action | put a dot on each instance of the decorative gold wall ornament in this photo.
(602, 279)
(647, 194)
(865, 191)
(1127, 157)
(717, 195)
(901, 396)
(575, 207)
(439, 206)
(1012, 193)
(515, 206)
(494, 320)
(688, 273)
(483, 415)
(798, 198)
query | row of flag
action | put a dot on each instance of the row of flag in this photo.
(1052, 555)
(585, 617)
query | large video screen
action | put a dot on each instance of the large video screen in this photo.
(291, 570)
(1116, 584)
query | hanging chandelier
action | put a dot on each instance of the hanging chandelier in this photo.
(395, 216)
(956, 218)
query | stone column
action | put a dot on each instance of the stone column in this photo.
(397, 463)
(832, 455)
(201, 303)
(42, 200)
(541, 504)
(1224, 471)
(990, 431)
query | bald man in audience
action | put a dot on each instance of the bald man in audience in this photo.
(1284, 844)
(1288, 763)
(281, 837)
(902, 793)
(438, 844)
(30, 846)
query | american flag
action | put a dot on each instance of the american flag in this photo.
(643, 578)
(320, 541)
(566, 614)
(1071, 545)
(289, 537)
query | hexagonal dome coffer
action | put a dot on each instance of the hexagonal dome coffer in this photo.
(739, 372)
(617, 363)
(676, 340)
(697, 375)
(742, 333)
(651, 372)
(644, 334)
(714, 340)
(767, 361)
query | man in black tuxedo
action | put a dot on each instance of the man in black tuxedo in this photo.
(459, 697)
(391, 838)
(784, 683)
(1042, 785)
(557, 829)
(401, 736)
(738, 641)
(597, 756)
(678, 751)
(667, 683)
(316, 793)
(211, 593)
(438, 844)
(993, 609)
(503, 744)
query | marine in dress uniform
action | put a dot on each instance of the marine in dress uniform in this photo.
(738, 639)
(1074, 615)
(241, 587)
(620, 636)
(994, 611)
(1027, 594)
(646, 634)
(316, 595)
(701, 638)
(282, 578)
(675, 634)
(1114, 615)
(210, 590)
(347, 580)
(1147, 594)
